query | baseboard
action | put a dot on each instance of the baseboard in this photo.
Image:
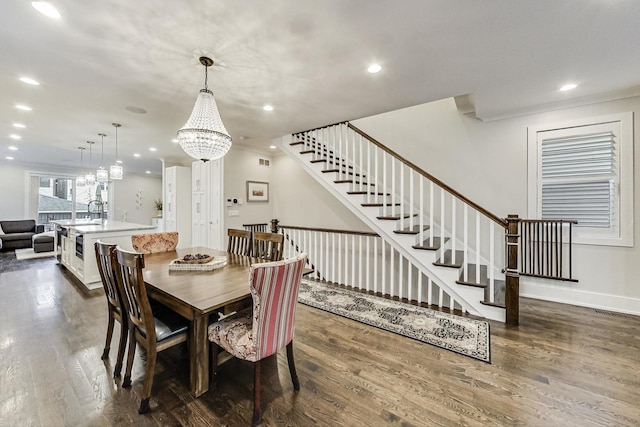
(531, 289)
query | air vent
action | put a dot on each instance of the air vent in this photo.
(263, 162)
(612, 313)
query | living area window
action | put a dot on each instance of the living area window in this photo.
(583, 170)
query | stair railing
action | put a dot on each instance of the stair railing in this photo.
(464, 233)
(364, 261)
(546, 248)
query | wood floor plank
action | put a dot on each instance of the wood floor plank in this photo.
(564, 365)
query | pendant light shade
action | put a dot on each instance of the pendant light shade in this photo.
(81, 180)
(90, 177)
(116, 170)
(102, 175)
(204, 136)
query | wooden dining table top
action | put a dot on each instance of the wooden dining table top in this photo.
(197, 292)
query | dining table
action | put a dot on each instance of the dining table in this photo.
(198, 295)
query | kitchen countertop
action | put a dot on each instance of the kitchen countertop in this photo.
(93, 226)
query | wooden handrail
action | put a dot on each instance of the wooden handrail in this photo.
(500, 221)
(330, 230)
(318, 128)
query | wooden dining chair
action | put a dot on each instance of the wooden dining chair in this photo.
(269, 246)
(154, 331)
(155, 242)
(258, 332)
(239, 242)
(115, 307)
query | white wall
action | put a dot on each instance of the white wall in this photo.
(300, 201)
(241, 165)
(124, 205)
(12, 191)
(487, 162)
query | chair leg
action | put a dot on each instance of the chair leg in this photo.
(257, 414)
(148, 379)
(121, 347)
(107, 344)
(126, 381)
(214, 349)
(292, 366)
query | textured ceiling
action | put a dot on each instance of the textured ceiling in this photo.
(306, 58)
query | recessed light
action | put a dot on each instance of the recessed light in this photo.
(9, 158)
(267, 108)
(23, 107)
(14, 136)
(29, 81)
(147, 171)
(174, 140)
(136, 155)
(374, 68)
(273, 147)
(19, 125)
(13, 148)
(568, 86)
(134, 109)
(119, 162)
(153, 149)
(46, 9)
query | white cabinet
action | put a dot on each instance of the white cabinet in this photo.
(177, 210)
(206, 200)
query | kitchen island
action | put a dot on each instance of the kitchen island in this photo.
(75, 242)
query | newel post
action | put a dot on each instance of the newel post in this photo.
(274, 225)
(512, 293)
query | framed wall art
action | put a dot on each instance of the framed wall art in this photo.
(257, 191)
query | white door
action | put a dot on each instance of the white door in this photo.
(216, 205)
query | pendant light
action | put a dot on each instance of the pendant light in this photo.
(204, 136)
(91, 178)
(81, 181)
(102, 175)
(116, 170)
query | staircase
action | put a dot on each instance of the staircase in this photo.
(455, 243)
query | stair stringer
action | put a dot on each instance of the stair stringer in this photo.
(468, 297)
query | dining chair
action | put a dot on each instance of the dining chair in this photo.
(262, 330)
(154, 331)
(114, 302)
(239, 242)
(155, 242)
(269, 246)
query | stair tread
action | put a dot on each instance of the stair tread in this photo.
(411, 230)
(394, 217)
(471, 276)
(342, 172)
(447, 259)
(331, 162)
(427, 246)
(364, 193)
(377, 205)
(350, 181)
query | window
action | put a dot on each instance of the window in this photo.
(583, 170)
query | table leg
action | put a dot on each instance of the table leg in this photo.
(199, 355)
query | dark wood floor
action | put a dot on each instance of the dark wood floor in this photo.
(563, 366)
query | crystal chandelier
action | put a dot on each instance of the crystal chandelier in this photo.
(91, 178)
(102, 175)
(116, 170)
(81, 180)
(204, 136)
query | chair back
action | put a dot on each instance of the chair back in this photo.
(274, 289)
(129, 266)
(239, 242)
(107, 272)
(269, 246)
(155, 242)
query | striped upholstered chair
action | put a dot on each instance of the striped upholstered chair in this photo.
(256, 334)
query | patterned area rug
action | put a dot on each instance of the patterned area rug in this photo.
(455, 333)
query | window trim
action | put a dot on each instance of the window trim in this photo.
(624, 189)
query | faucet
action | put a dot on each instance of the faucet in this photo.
(99, 204)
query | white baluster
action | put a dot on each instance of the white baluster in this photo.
(375, 264)
(368, 257)
(465, 215)
(453, 229)
(491, 259)
(478, 246)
